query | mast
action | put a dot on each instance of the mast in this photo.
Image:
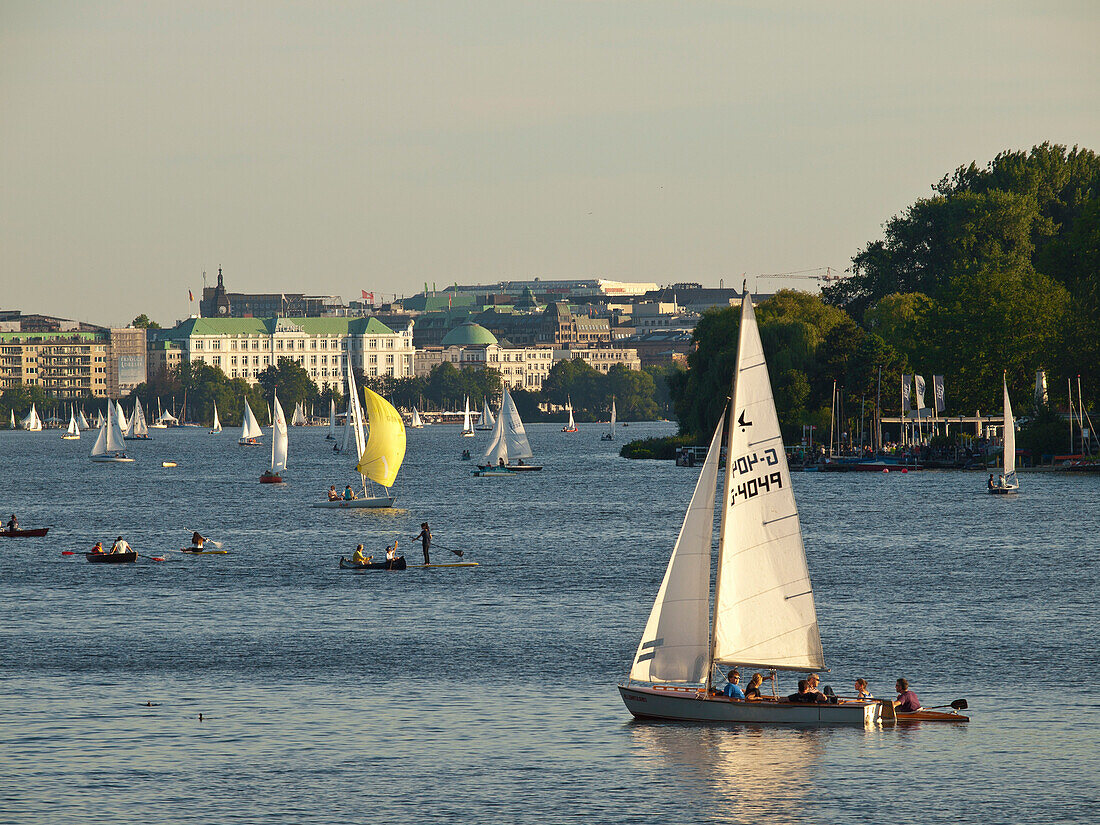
(727, 485)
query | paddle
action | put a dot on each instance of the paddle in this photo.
(958, 704)
(444, 547)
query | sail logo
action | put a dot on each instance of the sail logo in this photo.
(741, 422)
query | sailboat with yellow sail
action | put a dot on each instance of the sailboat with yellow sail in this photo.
(379, 455)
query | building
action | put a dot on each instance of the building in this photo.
(217, 303)
(245, 347)
(558, 290)
(661, 347)
(601, 359)
(126, 366)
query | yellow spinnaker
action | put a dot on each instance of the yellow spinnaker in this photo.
(385, 448)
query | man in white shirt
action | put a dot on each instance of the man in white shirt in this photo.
(120, 546)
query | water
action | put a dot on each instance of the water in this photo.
(488, 694)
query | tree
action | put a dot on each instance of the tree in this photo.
(143, 322)
(292, 382)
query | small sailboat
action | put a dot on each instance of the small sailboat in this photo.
(217, 428)
(110, 446)
(508, 444)
(32, 423)
(299, 419)
(165, 419)
(486, 422)
(610, 434)
(1006, 483)
(571, 427)
(81, 420)
(467, 427)
(120, 415)
(250, 431)
(99, 419)
(331, 420)
(159, 423)
(763, 611)
(12, 425)
(416, 424)
(137, 428)
(279, 444)
(379, 456)
(73, 431)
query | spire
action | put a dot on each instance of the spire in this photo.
(220, 284)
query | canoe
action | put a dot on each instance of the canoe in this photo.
(112, 558)
(397, 564)
(36, 533)
(194, 551)
(450, 564)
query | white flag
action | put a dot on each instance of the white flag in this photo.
(918, 386)
(937, 383)
(905, 379)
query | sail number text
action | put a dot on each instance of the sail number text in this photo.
(746, 463)
(763, 483)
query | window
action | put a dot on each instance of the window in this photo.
(374, 371)
(216, 344)
(389, 359)
(313, 360)
(217, 360)
(233, 363)
(255, 343)
(301, 343)
(373, 359)
(313, 343)
(196, 345)
(374, 343)
(278, 345)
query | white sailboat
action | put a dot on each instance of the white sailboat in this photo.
(279, 444)
(73, 431)
(764, 616)
(508, 444)
(12, 425)
(120, 415)
(81, 421)
(217, 428)
(331, 420)
(486, 422)
(416, 424)
(159, 423)
(377, 458)
(137, 428)
(32, 423)
(610, 434)
(299, 419)
(1006, 483)
(467, 427)
(571, 427)
(250, 430)
(110, 446)
(99, 419)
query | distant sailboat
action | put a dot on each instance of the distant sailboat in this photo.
(110, 446)
(1006, 483)
(82, 421)
(299, 419)
(416, 424)
(32, 422)
(610, 434)
(508, 444)
(159, 423)
(12, 425)
(73, 431)
(120, 415)
(250, 431)
(379, 456)
(137, 428)
(279, 445)
(486, 421)
(331, 420)
(571, 427)
(467, 428)
(99, 419)
(217, 428)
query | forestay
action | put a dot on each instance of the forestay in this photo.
(674, 645)
(764, 606)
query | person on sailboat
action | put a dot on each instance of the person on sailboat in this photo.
(907, 701)
(752, 691)
(733, 688)
(991, 483)
(332, 494)
(359, 557)
(812, 682)
(120, 546)
(425, 539)
(349, 494)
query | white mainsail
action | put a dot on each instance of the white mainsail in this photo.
(217, 428)
(137, 427)
(487, 421)
(82, 421)
(251, 428)
(416, 422)
(466, 426)
(100, 446)
(73, 430)
(99, 419)
(354, 428)
(120, 415)
(675, 643)
(572, 425)
(764, 612)
(279, 439)
(613, 417)
(12, 419)
(331, 420)
(299, 419)
(32, 422)
(1010, 441)
(110, 438)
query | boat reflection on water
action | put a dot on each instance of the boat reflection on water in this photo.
(752, 773)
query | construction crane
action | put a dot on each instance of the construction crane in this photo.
(826, 274)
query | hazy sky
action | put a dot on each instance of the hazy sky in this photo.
(328, 148)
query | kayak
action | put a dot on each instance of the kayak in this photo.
(397, 564)
(112, 558)
(36, 533)
(194, 551)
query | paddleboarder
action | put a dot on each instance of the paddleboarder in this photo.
(425, 538)
(197, 541)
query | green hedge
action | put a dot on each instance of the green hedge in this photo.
(663, 448)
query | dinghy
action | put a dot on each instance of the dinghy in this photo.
(763, 613)
(110, 446)
(508, 444)
(379, 457)
(486, 422)
(396, 564)
(610, 434)
(571, 426)
(467, 427)
(279, 445)
(250, 431)
(299, 419)
(217, 427)
(72, 433)
(1006, 483)
(32, 423)
(137, 429)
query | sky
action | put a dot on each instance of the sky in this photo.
(338, 147)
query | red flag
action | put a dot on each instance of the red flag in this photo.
(367, 296)
(190, 297)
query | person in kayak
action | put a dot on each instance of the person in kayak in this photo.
(98, 547)
(120, 546)
(907, 701)
(360, 557)
(391, 552)
(425, 538)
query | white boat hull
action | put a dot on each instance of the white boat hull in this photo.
(687, 705)
(381, 501)
(103, 459)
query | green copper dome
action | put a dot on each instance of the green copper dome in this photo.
(467, 335)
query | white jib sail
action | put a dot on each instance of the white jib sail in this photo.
(514, 433)
(115, 441)
(278, 438)
(498, 446)
(416, 422)
(613, 416)
(137, 426)
(82, 421)
(487, 419)
(572, 425)
(764, 603)
(73, 428)
(120, 414)
(349, 427)
(675, 642)
(332, 418)
(32, 421)
(217, 427)
(100, 446)
(1010, 440)
(466, 428)
(251, 428)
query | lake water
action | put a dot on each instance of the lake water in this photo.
(488, 694)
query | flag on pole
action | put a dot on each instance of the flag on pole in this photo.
(937, 384)
(190, 296)
(905, 384)
(368, 296)
(918, 386)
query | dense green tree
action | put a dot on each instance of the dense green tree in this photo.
(292, 382)
(143, 322)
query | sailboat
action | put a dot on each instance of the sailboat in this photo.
(99, 419)
(571, 427)
(32, 422)
(299, 419)
(250, 431)
(764, 615)
(159, 423)
(507, 444)
(120, 414)
(486, 422)
(81, 421)
(378, 457)
(610, 434)
(109, 444)
(137, 429)
(467, 427)
(73, 431)
(279, 443)
(416, 424)
(1006, 483)
(349, 429)
(12, 425)
(331, 420)
(217, 428)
